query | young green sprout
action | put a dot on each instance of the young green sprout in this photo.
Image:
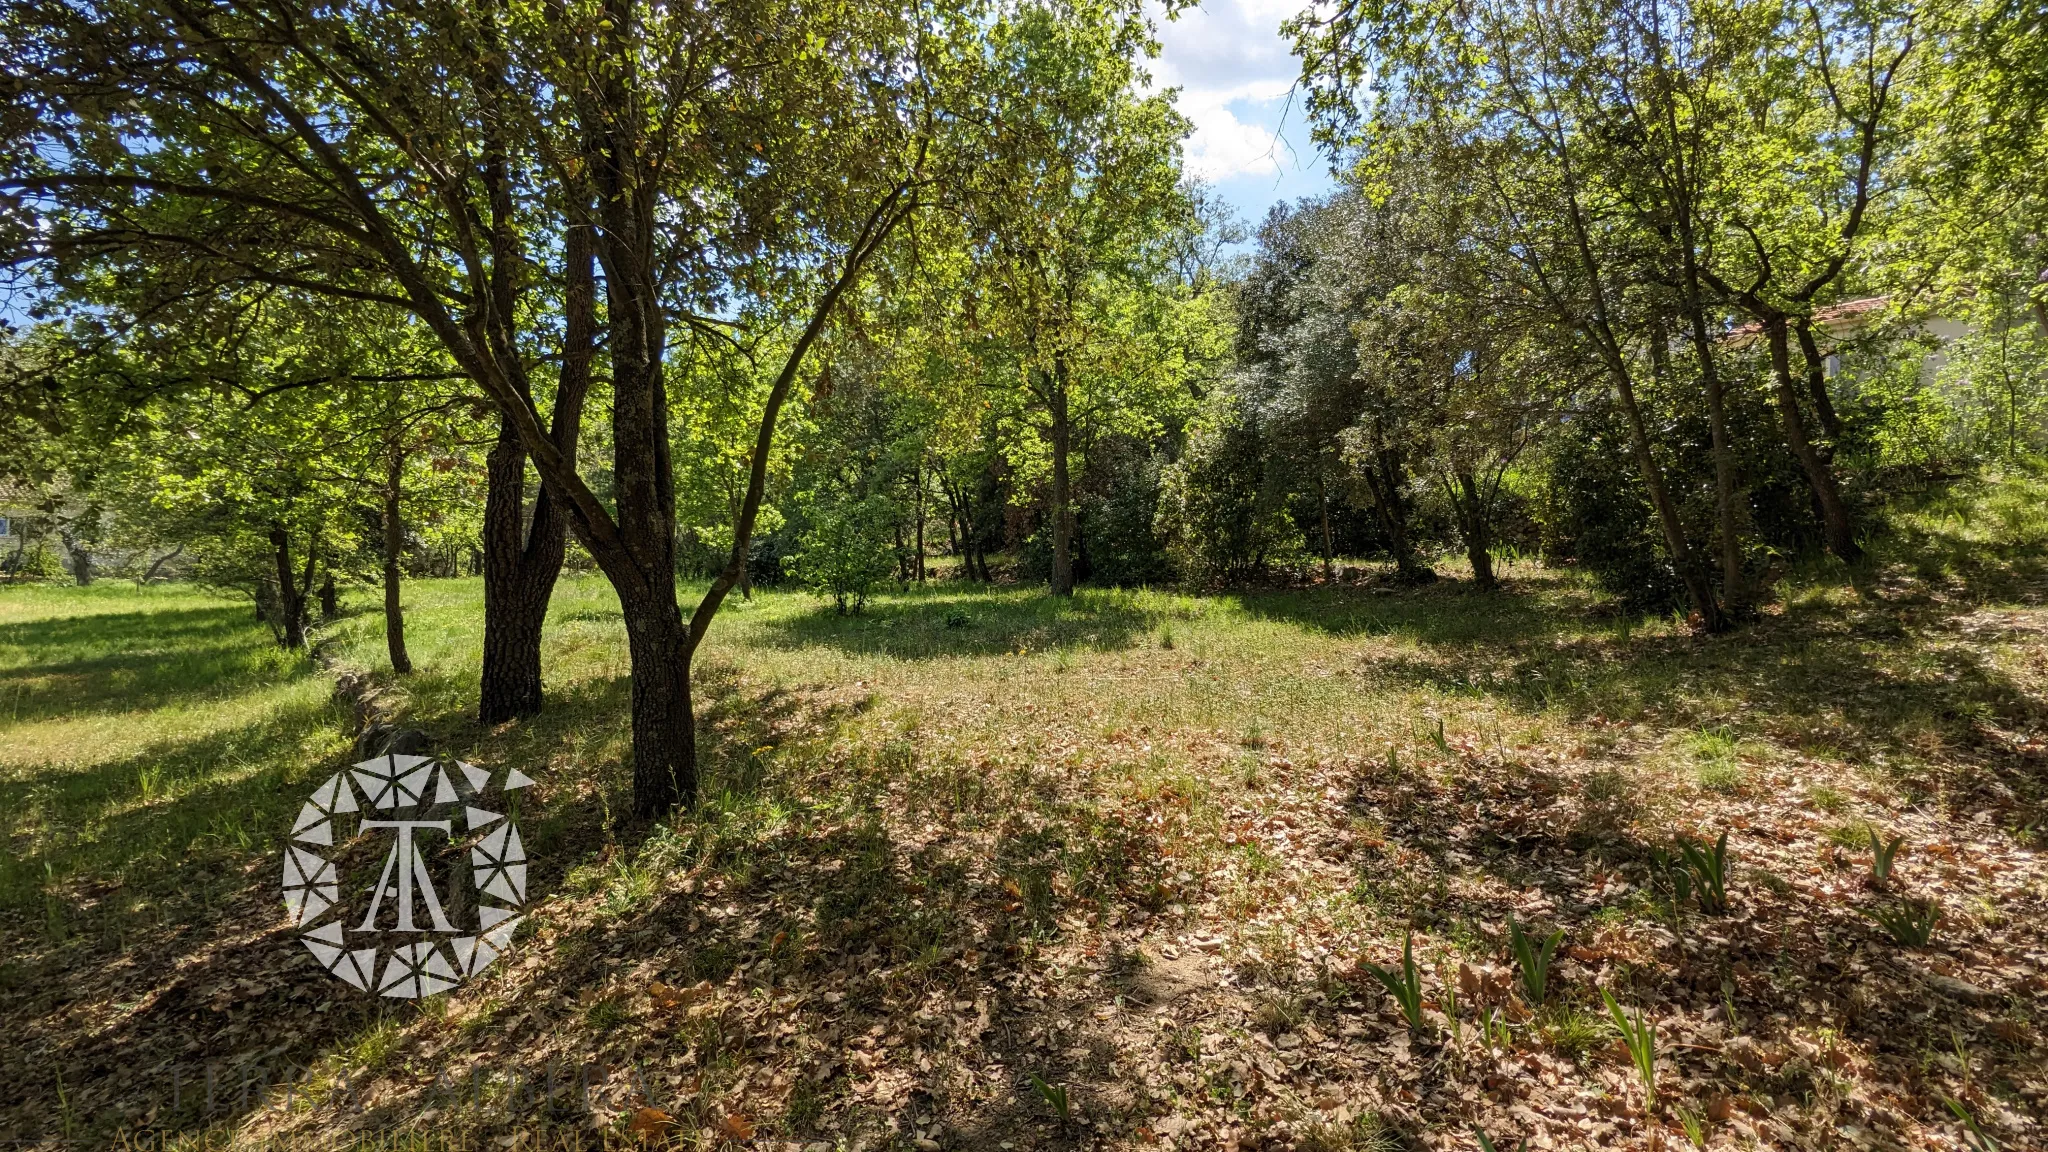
(1533, 959)
(1709, 868)
(1881, 856)
(1911, 923)
(1639, 1036)
(1404, 986)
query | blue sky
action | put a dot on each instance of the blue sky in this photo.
(1235, 74)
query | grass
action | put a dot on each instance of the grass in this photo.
(143, 729)
(998, 775)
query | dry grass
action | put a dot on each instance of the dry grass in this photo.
(972, 837)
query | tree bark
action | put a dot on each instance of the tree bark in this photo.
(394, 546)
(1323, 509)
(664, 724)
(158, 564)
(641, 561)
(1475, 526)
(1062, 512)
(522, 557)
(1696, 586)
(918, 475)
(1817, 384)
(81, 560)
(1385, 474)
(1734, 588)
(291, 594)
(1835, 520)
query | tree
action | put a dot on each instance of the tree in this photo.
(1082, 188)
(1501, 89)
(741, 157)
(1810, 172)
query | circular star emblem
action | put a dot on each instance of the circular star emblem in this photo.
(377, 882)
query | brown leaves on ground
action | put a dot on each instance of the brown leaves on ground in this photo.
(928, 904)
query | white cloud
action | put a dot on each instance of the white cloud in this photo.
(1223, 145)
(1234, 72)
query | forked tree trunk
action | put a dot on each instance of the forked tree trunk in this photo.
(394, 546)
(1835, 520)
(522, 556)
(1475, 526)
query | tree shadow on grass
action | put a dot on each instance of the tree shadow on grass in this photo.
(1871, 681)
(1447, 612)
(134, 661)
(1785, 956)
(215, 979)
(926, 625)
(148, 821)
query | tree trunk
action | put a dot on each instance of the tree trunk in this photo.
(1062, 514)
(918, 473)
(522, 559)
(81, 561)
(1323, 507)
(1384, 476)
(291, 595)
(394, 546)
(640, 560)
(1841, 532)
(1817, 385)
(1696, 586)
(1476, 527)
(160, 561)
(1734, 589)
(516, 590)
(664, 725)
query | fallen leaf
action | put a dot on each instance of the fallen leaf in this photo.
(650, 1123)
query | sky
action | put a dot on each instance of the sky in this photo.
(1235, 73)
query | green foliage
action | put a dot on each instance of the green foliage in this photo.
(1220, 510)
(1533, 959)
(1594, 516)
(1881, 856)
(1054, 1095)
(846, 550)
(1910, 923)
(1640, 1038)
(1708, 866)
(1404, 986)
(1694, 1124)
(1974, 1135)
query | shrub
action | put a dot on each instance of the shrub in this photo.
(1221, 514)
(847, 550)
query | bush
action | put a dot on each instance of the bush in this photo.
(847, 549)
(1219, 515)
(1598, 517)
(1116, 519)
